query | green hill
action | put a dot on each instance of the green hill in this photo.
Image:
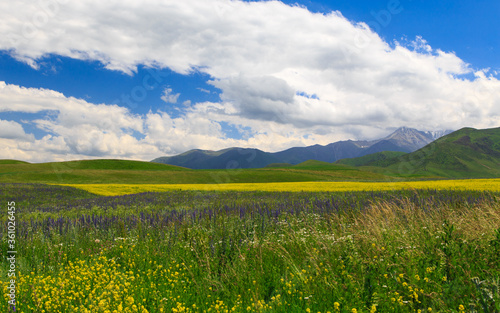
(110, 164)
(85, 171)
(324, 171)
(466, 153)
(12, 162)
(371, 159)
(279, 165)
(322, 166)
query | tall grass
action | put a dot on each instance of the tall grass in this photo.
(187, 251)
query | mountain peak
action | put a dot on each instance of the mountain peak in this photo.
(406, 133)
(405, 130)
(414, 139)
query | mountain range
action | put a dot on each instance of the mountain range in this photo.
(466, 153)
(405, 140)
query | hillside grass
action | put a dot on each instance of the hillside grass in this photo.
(370, 159)
(12, 162)
(322, 166)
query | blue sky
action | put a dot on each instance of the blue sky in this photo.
(118, 80)
(469, 28)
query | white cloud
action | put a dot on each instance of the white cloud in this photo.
(261, 98)
(265, 57)
(74, 127)
(204, 90)
(77, 129)
(13, 130)
(170, 97)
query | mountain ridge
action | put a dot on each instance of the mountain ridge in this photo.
(404, 139)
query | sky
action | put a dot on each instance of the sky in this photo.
(138, 80)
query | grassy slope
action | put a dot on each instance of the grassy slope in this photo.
(371, 158)
(279, 165)
(136, 172)
(12, 162)
(467, 153)
(320, 165)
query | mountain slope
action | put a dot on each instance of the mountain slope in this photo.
(329, 153)
(466, 153)
(402, 140)
(224, 159)
(371, 159)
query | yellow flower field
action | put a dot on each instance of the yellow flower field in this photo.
(123, 189)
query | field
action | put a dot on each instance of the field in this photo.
(123, 189)
(409, 250)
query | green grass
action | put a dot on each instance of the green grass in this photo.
(323, 166)
(256, 252)
(279, 165)
(109, 164)
(12, 162)
(370, 159)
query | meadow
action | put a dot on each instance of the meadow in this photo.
(408, 250)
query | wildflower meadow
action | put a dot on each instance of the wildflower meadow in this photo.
(423, 250)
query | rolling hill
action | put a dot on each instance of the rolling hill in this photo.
(12, 162)
(137, 172)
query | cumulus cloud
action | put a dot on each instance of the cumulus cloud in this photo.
(169, 97)
(76, 129)
(265, 58)
(73, 127)
(13, 130)
(262, 98)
